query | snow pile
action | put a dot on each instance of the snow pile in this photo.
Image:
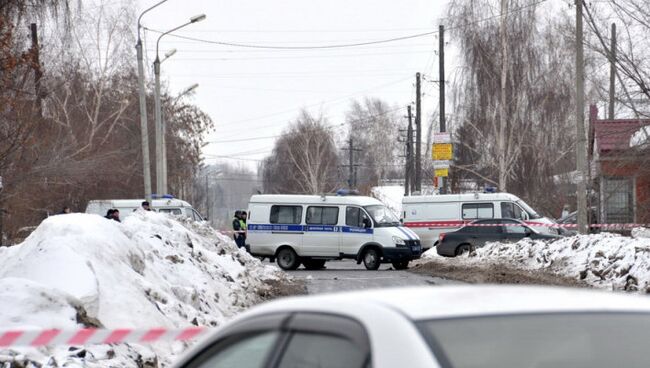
(149, 271)
(640, 232)
(391, 196)
(602, 260)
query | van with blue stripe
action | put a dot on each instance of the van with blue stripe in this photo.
(310, 230)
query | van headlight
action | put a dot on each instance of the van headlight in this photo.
(399, 241)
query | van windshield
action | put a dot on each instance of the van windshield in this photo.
(531, 212)
(382, 216)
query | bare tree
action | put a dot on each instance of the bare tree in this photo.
(304, 159)
(513, 97)
(374, 126)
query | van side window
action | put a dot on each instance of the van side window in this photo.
(478, 210)
(173, 211)
(290, 215)
(356, 217)
(322, 215)
(353, 217)
(511, 210)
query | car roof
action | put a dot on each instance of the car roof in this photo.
(163, 202)
(314, 199)
(441, 302)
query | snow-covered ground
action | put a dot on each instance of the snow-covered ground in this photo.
(605, 260)
(149, 271)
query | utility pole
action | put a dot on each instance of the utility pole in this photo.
(408, 182)
(612, 72)
(351, 182)
(352, 174)
(581, 151)
(207, 197)
(441, 83)
(441, 78)
(418, 134)
(38, 73)
(144, 130)
(159, 131)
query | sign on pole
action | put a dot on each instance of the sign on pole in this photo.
(443, 173)
(442, 153)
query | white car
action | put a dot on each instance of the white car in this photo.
(456, 326)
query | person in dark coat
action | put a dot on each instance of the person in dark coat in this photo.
(109, 214)
(146, 206)
(116, 215)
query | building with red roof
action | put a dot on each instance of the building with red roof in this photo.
(620, 166)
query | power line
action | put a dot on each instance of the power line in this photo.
(332, 46)
(341, 45)
(245, 139)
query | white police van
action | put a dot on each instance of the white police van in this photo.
(167, 204)
(311, 230)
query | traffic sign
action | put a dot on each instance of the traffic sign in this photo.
(442, 172)
(442, 151)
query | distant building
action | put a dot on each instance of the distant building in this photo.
(620, 166)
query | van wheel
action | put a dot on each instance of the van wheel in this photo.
(371, 259)
(314, 264)
(400, 265)
(288, 259)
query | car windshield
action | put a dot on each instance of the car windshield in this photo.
(531, 212)
(382, 216)
(541, 340)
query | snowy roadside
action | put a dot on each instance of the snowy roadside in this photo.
(607, 261)
(151, 270)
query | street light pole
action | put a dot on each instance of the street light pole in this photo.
(161, 160)
(146, 169)
(164, 130)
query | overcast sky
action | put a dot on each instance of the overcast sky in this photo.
(255, 93)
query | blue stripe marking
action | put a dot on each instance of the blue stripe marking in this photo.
(309, 228)
(322, 228)
(273, 227)
(405, 233)
(357, 230)
(413, 234)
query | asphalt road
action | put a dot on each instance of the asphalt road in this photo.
(348, 275)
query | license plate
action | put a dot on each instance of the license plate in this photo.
(415, 248)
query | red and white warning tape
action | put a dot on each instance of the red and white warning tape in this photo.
(89, 336)
(532, 224)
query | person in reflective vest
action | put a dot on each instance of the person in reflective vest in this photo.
(239, 235)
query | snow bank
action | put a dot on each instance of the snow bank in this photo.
(604, 260)
(391, 196)
(149, 271)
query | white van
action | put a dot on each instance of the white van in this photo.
(127, 206)
(297, 229)
(428, 216)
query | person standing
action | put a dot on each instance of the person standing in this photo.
(238, 230)
(244, 227)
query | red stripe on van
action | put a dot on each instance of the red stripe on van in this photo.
(440, 224)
